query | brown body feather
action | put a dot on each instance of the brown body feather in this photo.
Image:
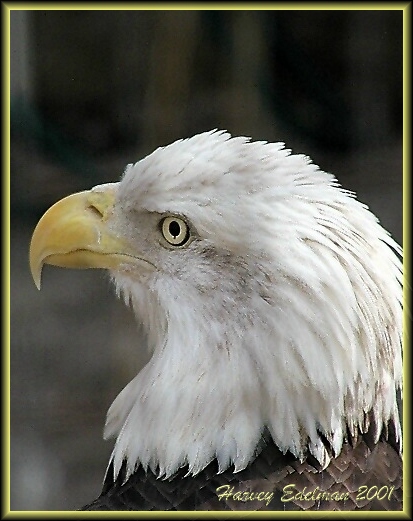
(362, 477)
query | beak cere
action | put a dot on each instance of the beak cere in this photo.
(74, 233)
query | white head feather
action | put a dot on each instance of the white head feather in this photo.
(283, 312)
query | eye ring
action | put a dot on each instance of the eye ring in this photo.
(175, 231)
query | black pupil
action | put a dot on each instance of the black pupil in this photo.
(174, 229)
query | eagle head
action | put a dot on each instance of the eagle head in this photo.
(271, 299)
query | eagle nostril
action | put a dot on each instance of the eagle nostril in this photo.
(92, 208)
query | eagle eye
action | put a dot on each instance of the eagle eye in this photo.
(175, 231)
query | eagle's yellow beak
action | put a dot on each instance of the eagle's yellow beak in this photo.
(74, 233)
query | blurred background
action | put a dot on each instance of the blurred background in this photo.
(94, 90)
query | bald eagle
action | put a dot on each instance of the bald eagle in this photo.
(272, 303)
